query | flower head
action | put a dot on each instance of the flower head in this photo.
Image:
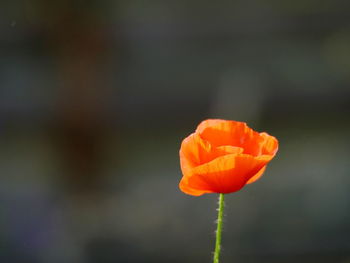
(223, 156)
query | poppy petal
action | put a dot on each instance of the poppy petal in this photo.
(191, 190)
(270, 145)
(196, 151)
(226, 174)
(220, 132)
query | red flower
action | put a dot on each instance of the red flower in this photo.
(223, 156)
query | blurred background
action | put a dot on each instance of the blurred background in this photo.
(96, 96)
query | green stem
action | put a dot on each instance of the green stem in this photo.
(219, 229)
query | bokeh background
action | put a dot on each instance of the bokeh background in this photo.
(96, 96)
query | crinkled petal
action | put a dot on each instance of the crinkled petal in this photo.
(270, 144)
(195, 151)
(220, 132)
(234, 133)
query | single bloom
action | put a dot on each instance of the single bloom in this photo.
(223, 156)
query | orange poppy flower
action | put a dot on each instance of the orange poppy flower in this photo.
(223, 156)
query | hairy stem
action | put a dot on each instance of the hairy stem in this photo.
(219, 229)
